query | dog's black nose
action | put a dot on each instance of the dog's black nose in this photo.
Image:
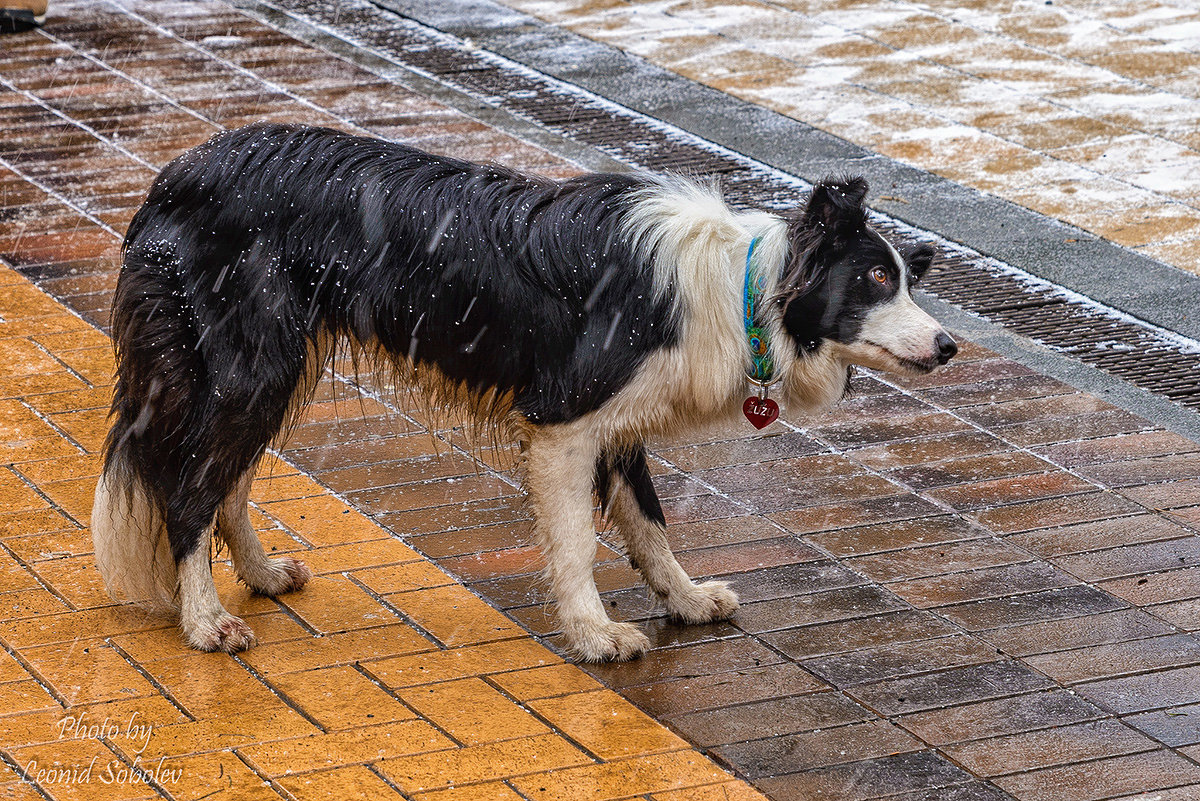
(946, 347)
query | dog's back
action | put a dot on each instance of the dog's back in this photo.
(254, 249)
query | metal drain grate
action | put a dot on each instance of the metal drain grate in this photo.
(1146, 356)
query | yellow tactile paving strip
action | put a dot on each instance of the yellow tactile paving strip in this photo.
(382, 679)
(1087, 111)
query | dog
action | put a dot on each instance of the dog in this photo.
(579, 316)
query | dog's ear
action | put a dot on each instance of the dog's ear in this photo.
(918, 261)
(836, 205)
(833, 215)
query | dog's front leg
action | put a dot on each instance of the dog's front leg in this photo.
(634, 509)
(560, 464)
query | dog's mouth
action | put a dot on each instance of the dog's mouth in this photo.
(907, 363)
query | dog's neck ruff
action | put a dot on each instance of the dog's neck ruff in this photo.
(762, 370)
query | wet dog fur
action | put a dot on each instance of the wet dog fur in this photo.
(582, 316)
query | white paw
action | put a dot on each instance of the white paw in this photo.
(606, 642)
(279, 575)
(219, 632)
(712, 600)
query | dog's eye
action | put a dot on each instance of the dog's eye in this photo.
(879, 276)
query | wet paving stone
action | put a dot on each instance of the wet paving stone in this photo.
(1073, 601)
(1163, 688)
(901, 626)
(791, 753)
(1104, 778)
(1043, 748)
(713, 691)
(999, 717)
(772, 718)
(864, 779)
(949, 687)
(817, 607)
(899, 659)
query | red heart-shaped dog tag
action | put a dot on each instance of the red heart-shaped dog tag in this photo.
(761, 412)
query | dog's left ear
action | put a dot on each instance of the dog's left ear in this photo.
(919, 260)
(836, 205)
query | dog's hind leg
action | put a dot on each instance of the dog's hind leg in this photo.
(261, 574)
(633, 507)
(559, 476)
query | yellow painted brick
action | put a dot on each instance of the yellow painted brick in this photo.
(488, 791)
(284, 487)
(338, 784)
(19, 791)
(606, 724)
(404, 577)
(103, 622)
(472, 711)
(457, 663)
(220, 776)
(93, 398)
(545, 682)
(29, 602)
(38, 521)
(610, 780)
(455, 615)
(17, 496)
(74, 496)
(335, 604)
(21, 357)
(340, 698)
(354, 556)
(76, 578)
(343, 648)
(324, 521)
(14, 576)
(349, 747)
(483, 763)
(20, 386)
(88, 671)
(270, 629)
(88, 428)
(77, 465)
(726, 791)
(17, 422)
(96, 364)
(44, 448)
(25, 695)
(209, 685)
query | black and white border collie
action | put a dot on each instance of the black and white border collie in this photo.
(581, 316)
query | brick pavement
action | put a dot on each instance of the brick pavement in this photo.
(1086, 111)
(974, 585)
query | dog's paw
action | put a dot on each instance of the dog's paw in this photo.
(279, 575)
(712, 600)
(222, 632)
(607, 642)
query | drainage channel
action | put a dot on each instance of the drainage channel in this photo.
(1145, 355)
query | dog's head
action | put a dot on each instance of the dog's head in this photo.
(847, 288)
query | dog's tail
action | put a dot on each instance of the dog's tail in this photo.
(130, 538)
(157, 369)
